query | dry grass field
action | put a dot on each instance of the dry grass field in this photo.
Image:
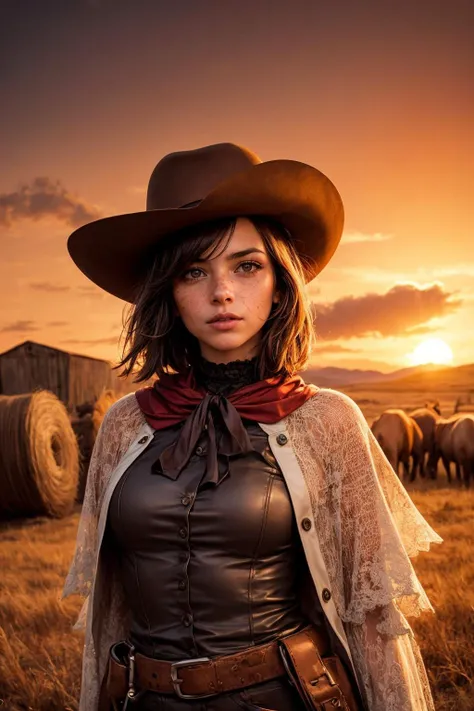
(40, 656)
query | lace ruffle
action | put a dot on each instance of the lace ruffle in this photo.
(224, 378)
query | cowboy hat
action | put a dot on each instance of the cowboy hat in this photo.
(190, 187)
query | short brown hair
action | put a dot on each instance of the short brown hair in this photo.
(156, 334)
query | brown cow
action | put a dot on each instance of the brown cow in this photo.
(417, 450)
(426, 418)
(444, 445)
(462, 442)
(399, 437)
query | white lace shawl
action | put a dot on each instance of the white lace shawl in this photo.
(367, 525)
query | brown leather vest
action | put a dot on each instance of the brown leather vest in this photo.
(207, 569)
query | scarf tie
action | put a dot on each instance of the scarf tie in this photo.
(176, 398)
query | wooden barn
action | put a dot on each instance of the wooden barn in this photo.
(75, 379)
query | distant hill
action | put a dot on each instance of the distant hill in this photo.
(332, 377)
(457, 379)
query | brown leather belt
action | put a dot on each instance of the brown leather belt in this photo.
(129, 672)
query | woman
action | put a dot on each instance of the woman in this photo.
(230, 508)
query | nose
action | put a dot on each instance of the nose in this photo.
(222, 292)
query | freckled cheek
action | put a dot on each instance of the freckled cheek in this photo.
(184, 302)
(191, 309)
(258, 300)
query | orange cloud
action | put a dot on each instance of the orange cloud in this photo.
(356, 237)
(112, 341)
(403, 310)
(48, 286)
(20, 326)
(44, 198)
(335, 348)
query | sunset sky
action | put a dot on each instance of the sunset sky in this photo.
(377, 95)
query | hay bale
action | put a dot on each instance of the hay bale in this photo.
(39, 456)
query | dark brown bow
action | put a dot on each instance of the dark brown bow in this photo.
(233, 439)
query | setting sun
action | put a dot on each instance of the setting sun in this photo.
(433, 350)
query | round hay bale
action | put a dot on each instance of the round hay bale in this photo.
(39, 455)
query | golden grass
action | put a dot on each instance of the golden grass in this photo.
(40, 656)
(447, 574)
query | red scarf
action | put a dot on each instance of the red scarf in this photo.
(174, 398)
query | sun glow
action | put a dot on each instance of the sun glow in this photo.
(433, 350)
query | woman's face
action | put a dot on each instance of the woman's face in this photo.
(240, 282)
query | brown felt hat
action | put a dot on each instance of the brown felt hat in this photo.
(190, 187)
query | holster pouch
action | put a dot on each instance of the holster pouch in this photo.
(322, 682)
(113, 690)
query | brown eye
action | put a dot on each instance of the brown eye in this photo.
(191, 273)
(250, 266)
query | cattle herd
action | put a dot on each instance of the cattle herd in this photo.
(423, 437)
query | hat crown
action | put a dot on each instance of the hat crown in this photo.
(185, 177)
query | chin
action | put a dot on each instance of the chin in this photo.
(225, 344)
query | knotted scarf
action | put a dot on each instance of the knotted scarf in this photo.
(176, 398)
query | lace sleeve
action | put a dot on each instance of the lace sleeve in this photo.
(390, 667)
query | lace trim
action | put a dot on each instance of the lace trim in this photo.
(224, 378)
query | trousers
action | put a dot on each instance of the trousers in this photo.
(273, 695)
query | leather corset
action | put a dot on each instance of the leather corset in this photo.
(208, 569)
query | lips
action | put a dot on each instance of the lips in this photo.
(224, 317)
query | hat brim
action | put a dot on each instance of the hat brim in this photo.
(114, 252)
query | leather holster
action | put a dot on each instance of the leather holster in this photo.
(321, 681)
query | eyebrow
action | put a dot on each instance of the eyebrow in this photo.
(237, 255)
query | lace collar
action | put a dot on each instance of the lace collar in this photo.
(224, 378)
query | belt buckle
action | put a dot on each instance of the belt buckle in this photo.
(176, 681)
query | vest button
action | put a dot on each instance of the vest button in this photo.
(199, 450)
(282, 439)
(326, 594)
(183, 533)
(306, 524)
(186, 500)
(182, 585)
(187, 619)
(143, 439)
